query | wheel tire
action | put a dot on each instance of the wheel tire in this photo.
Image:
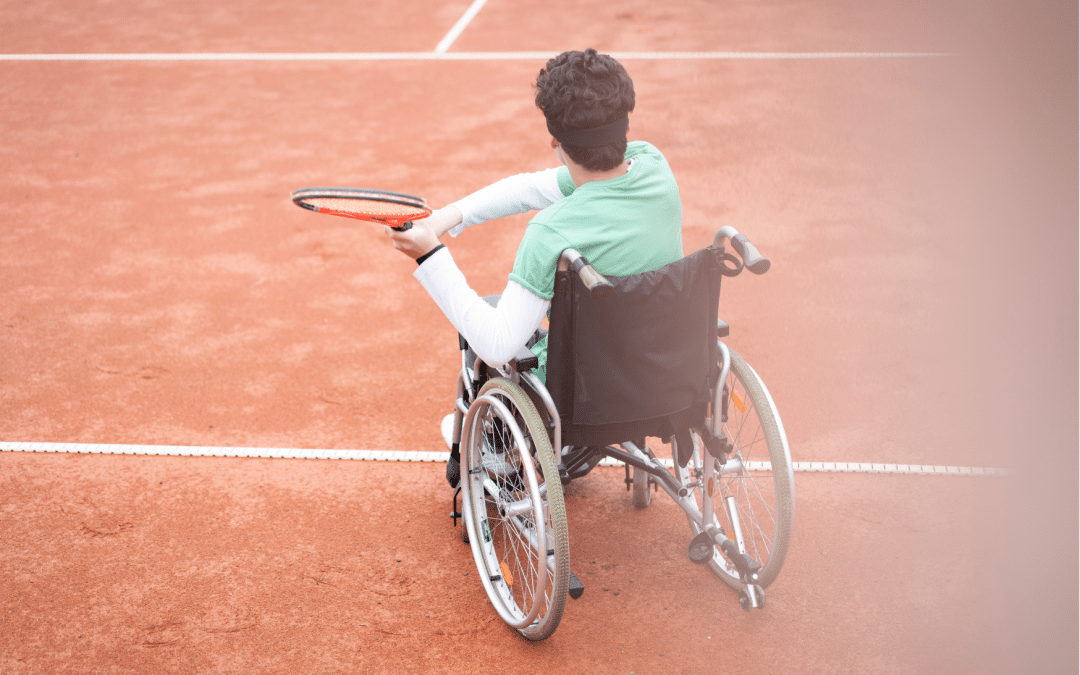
(642, 489)
(505, 457)
(764, 494)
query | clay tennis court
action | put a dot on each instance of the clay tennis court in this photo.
(909, 167)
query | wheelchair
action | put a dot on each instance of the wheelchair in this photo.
(629, 358)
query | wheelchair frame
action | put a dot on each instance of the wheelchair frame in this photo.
(506, 426)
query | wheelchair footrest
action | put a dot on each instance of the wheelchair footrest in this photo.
(576, 588)
(747, 566)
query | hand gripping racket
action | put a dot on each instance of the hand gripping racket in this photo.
(378, 206)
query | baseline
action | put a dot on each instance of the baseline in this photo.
(417, 456)
(463, 56)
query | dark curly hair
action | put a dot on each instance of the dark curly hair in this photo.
(584, 90)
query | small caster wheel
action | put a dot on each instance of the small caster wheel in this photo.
(642, 481)
(701, 549)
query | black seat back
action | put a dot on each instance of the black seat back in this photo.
(639, 362)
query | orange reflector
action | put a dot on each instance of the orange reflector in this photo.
(738, 402)
(712, 487)
(507, 577)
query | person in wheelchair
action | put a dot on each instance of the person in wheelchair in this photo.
(614, 201)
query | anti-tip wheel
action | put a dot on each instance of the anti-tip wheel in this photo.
(744, 599)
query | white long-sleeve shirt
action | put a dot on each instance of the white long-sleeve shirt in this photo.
(494, 333)
(509, 196)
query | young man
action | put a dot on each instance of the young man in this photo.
(615, 202)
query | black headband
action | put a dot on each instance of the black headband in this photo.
(597, 137)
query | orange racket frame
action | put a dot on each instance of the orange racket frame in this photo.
(410, 207)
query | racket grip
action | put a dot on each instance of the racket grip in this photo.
(407, 225)
(752, 258)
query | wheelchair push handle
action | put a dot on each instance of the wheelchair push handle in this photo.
(752, 258)
(597, 284)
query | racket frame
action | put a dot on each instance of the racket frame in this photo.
(399, 223)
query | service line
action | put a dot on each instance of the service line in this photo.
(460, 26)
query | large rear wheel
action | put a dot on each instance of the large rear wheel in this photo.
(757, 475)
(515, 517)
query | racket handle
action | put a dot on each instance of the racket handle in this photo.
(407, 225)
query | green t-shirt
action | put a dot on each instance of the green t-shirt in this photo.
(625, 225)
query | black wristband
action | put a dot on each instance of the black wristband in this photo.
(421, 259)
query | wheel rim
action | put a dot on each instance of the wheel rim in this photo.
(504, 507)
(747, 476)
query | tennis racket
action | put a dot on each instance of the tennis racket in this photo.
(395, 209)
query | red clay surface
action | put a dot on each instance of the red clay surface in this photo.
(157, 287)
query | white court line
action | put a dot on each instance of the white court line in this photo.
(460, 26)
(460, 56)
(415, 456)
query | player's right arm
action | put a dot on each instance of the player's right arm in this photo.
(497, 333)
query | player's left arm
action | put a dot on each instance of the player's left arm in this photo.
(521, 193)
(509, 196)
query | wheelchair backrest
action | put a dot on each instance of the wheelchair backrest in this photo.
(640, 361)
